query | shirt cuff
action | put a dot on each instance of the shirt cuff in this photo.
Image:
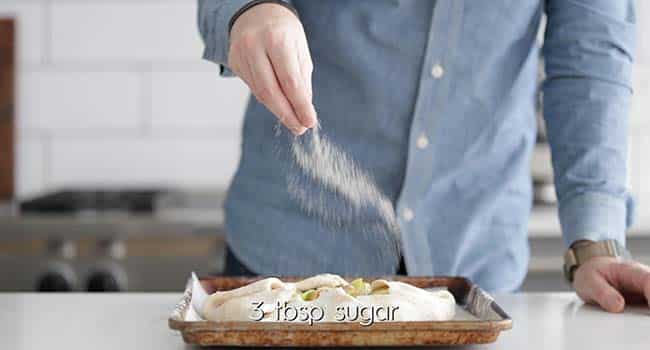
(224, 71)
(596, 217)
(216, 50)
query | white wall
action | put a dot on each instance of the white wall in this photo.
(640, 115)
(114, 92)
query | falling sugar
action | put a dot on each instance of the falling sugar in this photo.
(338, 174)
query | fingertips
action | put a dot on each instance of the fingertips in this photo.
(310, 118)
(298, 131)
(287, 68)
(596, 289)
(614, 303)
(646, 289)
(308, 115)
(634, 279)
(640, 282)
(268, 92)
(645, 282)
(608, 298)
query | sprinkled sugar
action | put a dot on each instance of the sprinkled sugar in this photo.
(338, 174)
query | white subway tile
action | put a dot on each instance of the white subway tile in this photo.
(640, 108)
(639, 167)
(634, 145)
(185, 66)
(31, 163)
(77, 100)
(643, 29)
(29, 17)
(197, 100)
(186, 161)
(141, 31)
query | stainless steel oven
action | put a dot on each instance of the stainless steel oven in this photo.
(111, 240)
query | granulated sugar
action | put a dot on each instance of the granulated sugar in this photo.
(338, 174)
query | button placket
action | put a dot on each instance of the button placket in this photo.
(422, 141)
(407, 214)
(437, 71)
(446, 23)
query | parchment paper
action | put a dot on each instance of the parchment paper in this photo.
(199, 296)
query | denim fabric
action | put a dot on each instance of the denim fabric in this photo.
(234, 267)
(438, 105)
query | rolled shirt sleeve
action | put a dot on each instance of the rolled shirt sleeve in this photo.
(214, 17)
(588, 53)
(214, 20)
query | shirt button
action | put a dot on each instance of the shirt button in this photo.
(437, 71)
(422, 142)
(407, 214)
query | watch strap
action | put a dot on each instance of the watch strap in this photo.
(578, 254)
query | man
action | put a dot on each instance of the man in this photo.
(435, 99)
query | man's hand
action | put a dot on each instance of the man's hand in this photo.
(268, 50)
(611, 283)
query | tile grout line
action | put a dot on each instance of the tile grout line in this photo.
(91, 134)
(46, 144)
(110, 65)
(146, 100)
(46, 56)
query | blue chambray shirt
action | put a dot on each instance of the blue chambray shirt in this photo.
(435, 99)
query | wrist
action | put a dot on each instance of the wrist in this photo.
(582, 251)
(255, 3)
(581, 243)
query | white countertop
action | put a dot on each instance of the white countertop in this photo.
(139, 321)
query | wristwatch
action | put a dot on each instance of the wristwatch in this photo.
(582, 251)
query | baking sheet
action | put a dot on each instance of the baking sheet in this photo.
(478, 320)
(199, 296)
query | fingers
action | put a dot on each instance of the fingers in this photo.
(268, 91)
(306, 70)
(606, 296)
(286, 64)
(633, 278)
(240, 67)
(269, 51)
(593, 288)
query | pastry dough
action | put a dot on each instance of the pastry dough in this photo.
(242, 308)
(415, 304)
(333, 296)
(321, 281)
(236, 304)
(328, 300)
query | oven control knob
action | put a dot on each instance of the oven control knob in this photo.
(102, 282)
(56, 277)
(107, 277)
(53, 281)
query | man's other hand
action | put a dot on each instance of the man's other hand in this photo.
(269, 51)
(611, 283)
